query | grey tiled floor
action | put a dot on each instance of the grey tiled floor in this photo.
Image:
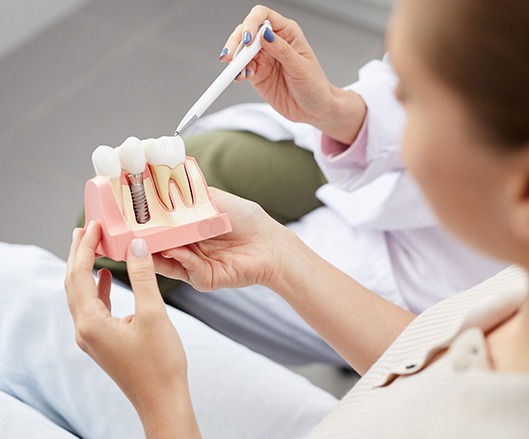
(116, 68)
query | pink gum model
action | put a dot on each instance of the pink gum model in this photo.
(101, 206)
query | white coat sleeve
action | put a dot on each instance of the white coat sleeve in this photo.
(385, 126)
(370, 174)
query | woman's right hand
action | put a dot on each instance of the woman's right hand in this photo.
(287, 75)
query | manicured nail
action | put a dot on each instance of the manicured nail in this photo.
(223, 53)
(268, 35)
(75, 234)
(90, 227)
(247, 72)
(139, 247)
(238, 74)
(247, 36)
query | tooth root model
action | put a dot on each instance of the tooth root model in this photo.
(166, 157)
(106, 162)
(132, 159)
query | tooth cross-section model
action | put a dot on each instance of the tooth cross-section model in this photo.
(150, 189)
(166, 157)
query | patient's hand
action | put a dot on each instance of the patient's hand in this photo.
(142, 353)
(251, 254)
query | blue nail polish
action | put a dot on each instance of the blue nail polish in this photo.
(224, 52)
(246, 37)
(247, 72)
(238, 74)
(268, 35)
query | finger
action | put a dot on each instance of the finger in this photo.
(247, 30)
(224, 199)
(188, 262)
(103, 287)
(255, 18)
(80, 285)
(282, 51)
(242, 75)
(142, 277)
(231, 44)
(239, 77)
(76, 239)
(86, 249)
(77, 234)
(250, 69)
(167, 266)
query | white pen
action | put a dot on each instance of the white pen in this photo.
(242, 56)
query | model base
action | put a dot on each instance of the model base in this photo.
(185, 224)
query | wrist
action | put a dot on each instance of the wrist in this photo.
(290, 263)
(344, 116)
(167, 414)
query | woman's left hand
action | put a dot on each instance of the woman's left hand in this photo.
(142, 352)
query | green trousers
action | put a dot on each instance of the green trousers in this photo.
(279, 176)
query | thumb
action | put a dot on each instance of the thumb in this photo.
(280, 50)
(140, 268)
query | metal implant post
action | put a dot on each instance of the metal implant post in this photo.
(139, 199)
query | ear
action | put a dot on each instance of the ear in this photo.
(517, 205)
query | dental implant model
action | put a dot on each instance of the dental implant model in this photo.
(132, 159)
(150, 189)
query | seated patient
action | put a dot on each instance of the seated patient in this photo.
(381, 233)
(460, 369)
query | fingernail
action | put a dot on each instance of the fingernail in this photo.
(247, 36)
(223, 53)
(75, 234)
(239, 74)
(139, 247)
(90, 227)
(268, 35)
(247, 72)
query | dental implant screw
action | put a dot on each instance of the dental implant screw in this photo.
(139, 199)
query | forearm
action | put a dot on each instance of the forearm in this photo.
(356, 322)
(343, 120)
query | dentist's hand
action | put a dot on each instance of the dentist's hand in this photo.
(251, 254)
(287, 75)
(142, 352)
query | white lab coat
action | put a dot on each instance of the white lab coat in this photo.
(376, 224)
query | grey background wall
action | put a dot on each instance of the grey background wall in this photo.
(22, 19)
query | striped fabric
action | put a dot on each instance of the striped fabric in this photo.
(439, 401)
